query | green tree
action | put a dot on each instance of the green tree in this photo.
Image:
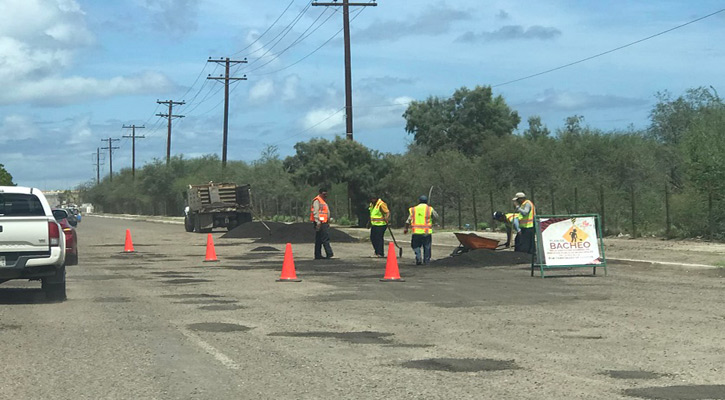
(5, 178)
(460, 122)
(320, 162)
(536, 129)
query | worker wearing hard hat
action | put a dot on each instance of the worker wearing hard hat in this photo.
(525, 234)
(320, 217)
(421, 223)
(379, 218)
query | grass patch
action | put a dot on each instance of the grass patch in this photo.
(720, 264)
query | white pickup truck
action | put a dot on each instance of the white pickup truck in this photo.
(32, 243)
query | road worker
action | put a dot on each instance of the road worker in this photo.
(510, 221)
(525, 234)
(421, 223)
(379, 219)
(320, 217)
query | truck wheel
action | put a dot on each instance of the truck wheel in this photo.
(188, 224)
(54, 286)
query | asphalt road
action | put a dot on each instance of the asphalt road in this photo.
(163, 324)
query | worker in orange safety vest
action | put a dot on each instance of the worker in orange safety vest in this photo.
(320, 217)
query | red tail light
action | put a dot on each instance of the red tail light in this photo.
(53, 234)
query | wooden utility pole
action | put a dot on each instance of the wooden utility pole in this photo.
(226, 78)
(170, 115)
(348, 68)
(133, 146)
(98, 165)
(110, 155)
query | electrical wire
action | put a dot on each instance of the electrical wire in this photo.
(310, 128)
(267, 30)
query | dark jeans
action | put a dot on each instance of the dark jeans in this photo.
(524, 241)
(376, 238)
(322, 238)
(425, 242)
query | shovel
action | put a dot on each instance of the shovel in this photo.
(400, 249)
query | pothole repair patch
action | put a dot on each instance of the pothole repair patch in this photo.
(206, 301)
(265, 248)
(182, 281)
(632, 374)
(217, 327)
(9, 327)
(190, 296)
(221, 307)
(364, 337)
(112, 300)
(461, 364)
(684, 392)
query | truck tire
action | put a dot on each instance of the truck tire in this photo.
(54, 287)
(189, 223)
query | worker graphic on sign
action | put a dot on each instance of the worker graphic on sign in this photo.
(573, 235)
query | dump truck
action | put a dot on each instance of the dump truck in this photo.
(214, 205)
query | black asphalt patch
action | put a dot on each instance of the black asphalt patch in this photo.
(112, 300)
(172, 272)
(631, 374)
(461, 364)
(206, 301)
(190, 296)
(364, 337)
(684, 392)
(175, 276)
(97, 277)
(265, 248)
(589, 337)
(218, 327)
(182, 281)
(221, 307)
(9, 327)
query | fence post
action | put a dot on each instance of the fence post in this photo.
(475, 215)
(710, 216)
(553, 202)
(668, 221)
(459, 211)
(490, 195)
(634, 223)
(576, 200)
(601, 206)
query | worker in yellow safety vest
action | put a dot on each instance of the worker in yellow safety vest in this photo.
(421, 223)
(379, 218)
(525, 235)
(510, 221)
(320, 217)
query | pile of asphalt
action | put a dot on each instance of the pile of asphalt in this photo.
(484, 258)
(280, 232)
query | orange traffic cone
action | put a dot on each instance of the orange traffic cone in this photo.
(288, 267)
(210, 252)
(128, 247)
(391, 266)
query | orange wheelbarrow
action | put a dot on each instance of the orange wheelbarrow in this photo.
(470, 241)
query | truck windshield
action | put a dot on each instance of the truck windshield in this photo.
(20, 205)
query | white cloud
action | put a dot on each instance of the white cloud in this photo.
(38, 42)
(55, 91)
(324, 120)
(289, 88)
(17, 127)
(81, 131)
(262, 91)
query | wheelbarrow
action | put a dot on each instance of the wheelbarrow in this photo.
(470, 241)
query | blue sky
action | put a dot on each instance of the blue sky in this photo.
(73, 72)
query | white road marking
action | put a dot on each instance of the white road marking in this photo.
(221, 357)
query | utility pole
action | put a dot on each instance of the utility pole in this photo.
(170, 115)
(226, 78)
(110, 155)
(133, 147)
(98, 165)
(348, 67)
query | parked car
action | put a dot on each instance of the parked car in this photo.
(31, 243)
(71, 237)
(72, 219)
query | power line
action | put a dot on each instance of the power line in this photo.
(267, 30)
(311, 127)
(609, 51)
